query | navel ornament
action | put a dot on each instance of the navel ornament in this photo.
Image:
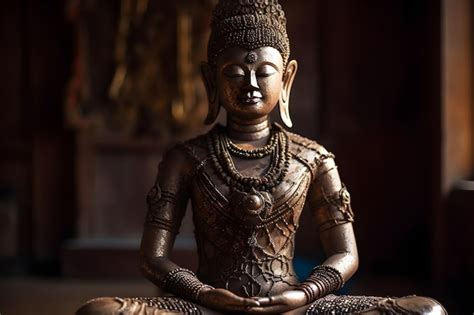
(252, 207)
(253, 203)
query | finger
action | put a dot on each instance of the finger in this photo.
(264, 301)
(248, 302)
(235, 300)
(272, 300)
(279, 300)
(268, 309)
(243, 302)
(230, 299)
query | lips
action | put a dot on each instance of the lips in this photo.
(251, 101)
(251, 98)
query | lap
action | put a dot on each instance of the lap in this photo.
(142, 306)
(330, 304)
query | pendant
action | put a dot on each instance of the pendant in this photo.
(253, 203)
(252, 207)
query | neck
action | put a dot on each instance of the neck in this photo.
(253, 130)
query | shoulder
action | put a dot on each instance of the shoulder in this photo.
(303, 143)
(307, 148)
(196, 148)
(187, 154)
(309, 152)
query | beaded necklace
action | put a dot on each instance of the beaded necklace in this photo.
(257, 153)
(221, 147)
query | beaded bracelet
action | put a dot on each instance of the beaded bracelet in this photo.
(322, 281)
(184, 283)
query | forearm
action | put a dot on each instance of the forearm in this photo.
(330, 276)
(173, 279)
(340, 265)
(345, 263)
(159, 269)
(341, 250)
(156, 269)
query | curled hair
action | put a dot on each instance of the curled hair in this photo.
(248, 24)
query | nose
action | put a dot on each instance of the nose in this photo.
(251, 81)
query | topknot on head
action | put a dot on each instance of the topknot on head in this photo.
(231, 8)
(248, 24)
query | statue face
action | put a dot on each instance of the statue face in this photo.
(249, 83)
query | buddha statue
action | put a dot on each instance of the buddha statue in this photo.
(248, 183)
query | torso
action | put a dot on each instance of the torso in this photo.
(247, 253)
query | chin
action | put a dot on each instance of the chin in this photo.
(250, 115)
(251, 111)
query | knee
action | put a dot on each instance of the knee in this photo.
(407, 305)
(421, 305)
(100, 306)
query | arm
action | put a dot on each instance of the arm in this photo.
(331, 202)
(167, 202)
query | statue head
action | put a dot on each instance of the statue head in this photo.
(248, 70)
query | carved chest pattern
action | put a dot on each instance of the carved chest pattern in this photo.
(253, 251)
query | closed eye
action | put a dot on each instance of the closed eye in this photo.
(266, 71)
(234, 71)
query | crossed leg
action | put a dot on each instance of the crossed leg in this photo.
(331, 304)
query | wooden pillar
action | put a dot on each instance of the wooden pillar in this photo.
(48, 53)
(456, 92)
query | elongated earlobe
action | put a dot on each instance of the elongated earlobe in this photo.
(213, 112)
(284, 103)
(285, 114)
(209, 83)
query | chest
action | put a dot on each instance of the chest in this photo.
(216, 202)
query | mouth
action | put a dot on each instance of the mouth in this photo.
(250, 100)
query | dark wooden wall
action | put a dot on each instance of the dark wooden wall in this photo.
(36, 150)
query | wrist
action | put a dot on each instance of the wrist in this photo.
(322, 281)
(184, 283)
(309, 290)
(203, 290)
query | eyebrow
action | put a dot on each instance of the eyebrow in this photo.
(270, 64)
(244, 64)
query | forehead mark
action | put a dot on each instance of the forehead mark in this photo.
(251, 57)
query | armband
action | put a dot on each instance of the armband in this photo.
(338, 205)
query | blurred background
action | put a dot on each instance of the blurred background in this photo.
(94, 91)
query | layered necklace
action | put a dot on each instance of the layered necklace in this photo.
(222, 148)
